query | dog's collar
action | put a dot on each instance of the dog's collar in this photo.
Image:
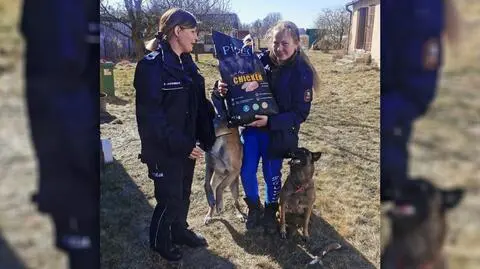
(222, 134)
(301, 187)
(426, 265)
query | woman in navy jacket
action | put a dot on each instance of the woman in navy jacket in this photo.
(175, 124)
(291, 78)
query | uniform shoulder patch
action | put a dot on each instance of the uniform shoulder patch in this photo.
(152, 55)
(307, 96)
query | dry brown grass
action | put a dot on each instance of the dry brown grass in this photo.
(343, 124)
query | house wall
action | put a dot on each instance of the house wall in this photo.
(353, 31)
(375, 49)
(375, 52)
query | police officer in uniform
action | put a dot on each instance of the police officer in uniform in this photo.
(411, 60)
(175, 123)
(62, 80)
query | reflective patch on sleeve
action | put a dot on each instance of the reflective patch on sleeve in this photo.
(71, 242)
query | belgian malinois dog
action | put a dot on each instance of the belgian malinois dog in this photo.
(418, 225)
(298, 193)
(223, 164)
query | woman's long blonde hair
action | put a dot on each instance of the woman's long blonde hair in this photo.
(292, 29)
(171, 18)
(452, 22)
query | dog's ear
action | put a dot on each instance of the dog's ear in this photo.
(452, 198)
(316, 156)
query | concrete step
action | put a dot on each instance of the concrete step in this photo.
(345, 61)
(349, 57)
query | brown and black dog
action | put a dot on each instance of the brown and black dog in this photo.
(223, 164)
(298, 193)
(418, 225)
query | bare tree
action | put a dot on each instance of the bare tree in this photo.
(259, 28)
(269, 21)
(256, 27)
(113, 14)
(141, 16)
(131, 16)
(334, 26)
(222, 21)
(244, 26)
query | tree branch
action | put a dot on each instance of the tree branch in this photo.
(111, 16)
(116, 30)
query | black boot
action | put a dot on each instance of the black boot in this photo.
(160, 237)
(254, 217)
(270, 223)
(165, 248)
(184, 236)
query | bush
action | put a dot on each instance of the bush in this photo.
(323, 44)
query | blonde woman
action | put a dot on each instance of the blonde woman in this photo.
(271, 138)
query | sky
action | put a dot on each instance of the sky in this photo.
(302, 12)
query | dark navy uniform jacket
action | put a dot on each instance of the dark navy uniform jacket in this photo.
(411, 30)
(291, 85)
(171, 107)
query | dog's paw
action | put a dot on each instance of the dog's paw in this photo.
(219, 209)
(175, 265)
(305, 239)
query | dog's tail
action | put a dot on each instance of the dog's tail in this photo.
(208, 177)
